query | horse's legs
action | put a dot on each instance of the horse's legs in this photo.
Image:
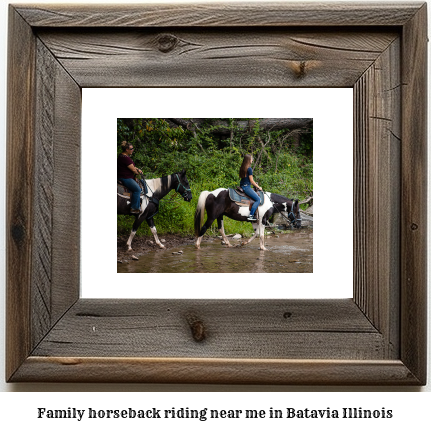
(204, 228)
(258, 228)
(250, 240)
(255, 226)
(129, 241)
(135, 227)
(221, 230)
(198, 243)
(262, 235)
(154, 232)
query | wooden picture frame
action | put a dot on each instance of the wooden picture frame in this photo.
(376, 338)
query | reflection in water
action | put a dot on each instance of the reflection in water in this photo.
(290, 252)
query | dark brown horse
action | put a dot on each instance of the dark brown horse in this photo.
(218, 204)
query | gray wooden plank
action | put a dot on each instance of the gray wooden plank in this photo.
(66, 194)
(232, 58)
(55, 278)
(246, 329)
(216, 371)
(19, 191)
(414, 195)
(224, 14)
(377, 192)
(43, 193)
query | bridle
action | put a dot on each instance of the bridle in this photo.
(291, 216)
(294, 219)
(156, 201)
(185, 190)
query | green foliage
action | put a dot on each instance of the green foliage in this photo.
(212, 160)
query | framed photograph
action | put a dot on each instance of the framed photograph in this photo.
(377, 337)
(284, 173)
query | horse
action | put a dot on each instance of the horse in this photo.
(218, 204)
(158, 188)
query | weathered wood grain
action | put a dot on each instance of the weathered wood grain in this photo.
(414, 194)
(220, 15)
(215, 371)
(19, 191)
(238, 329)
(377, 192)
(378, 338)
(43, 194)
(66, 193)
(56, 194)
(232, 58)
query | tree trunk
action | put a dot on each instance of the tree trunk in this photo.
(264, 123)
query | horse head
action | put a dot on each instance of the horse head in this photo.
(289, 206)
(182, 187)
(295, 215)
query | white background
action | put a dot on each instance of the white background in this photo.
(19, 409)
(332, 275)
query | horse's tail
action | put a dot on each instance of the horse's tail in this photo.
(200, 212)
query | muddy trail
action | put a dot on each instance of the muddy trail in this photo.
(288, 252)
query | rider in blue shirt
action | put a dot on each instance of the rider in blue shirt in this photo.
(246, 175)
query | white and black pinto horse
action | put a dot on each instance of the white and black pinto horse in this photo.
(158, 188)
(218, 204)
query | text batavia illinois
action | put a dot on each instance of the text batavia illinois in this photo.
(207, 413)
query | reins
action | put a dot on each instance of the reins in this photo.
(295, 219)
(291, 211)
(151, 198)
(156, 201)
(183, 194)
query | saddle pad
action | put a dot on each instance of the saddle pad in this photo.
(243, 200)
(121, 190)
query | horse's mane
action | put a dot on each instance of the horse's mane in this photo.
(280, 198)
(162, 182)
(157, 184)
(165, 178)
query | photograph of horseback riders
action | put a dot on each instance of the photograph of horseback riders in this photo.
(214, 195)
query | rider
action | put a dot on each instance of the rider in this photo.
(126, 172)
(246, 175)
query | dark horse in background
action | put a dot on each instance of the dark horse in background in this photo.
(218, 204)
(158, 188)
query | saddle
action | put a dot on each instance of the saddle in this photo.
(124, 191)
(238, 196)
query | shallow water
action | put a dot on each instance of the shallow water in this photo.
(287, 252)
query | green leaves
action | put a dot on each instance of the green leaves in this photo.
(212, 160)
